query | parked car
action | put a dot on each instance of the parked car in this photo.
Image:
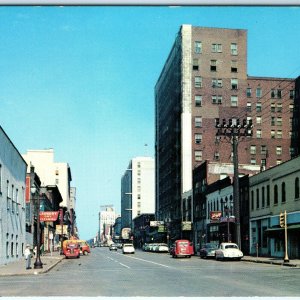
(84, 247)
(71, 249)
(183, 248)
(128, 248)
(113, 247)
(208, 250)
(228, 251)
(161, 248)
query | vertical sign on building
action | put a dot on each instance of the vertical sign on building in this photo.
(27, 191)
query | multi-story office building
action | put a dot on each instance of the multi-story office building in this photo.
(12, 201)
(107, 217)
(137, 190)
(204, 79)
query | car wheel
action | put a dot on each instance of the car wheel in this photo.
(85, 253)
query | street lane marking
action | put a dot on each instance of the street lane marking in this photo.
(149, 261)
(124, 266)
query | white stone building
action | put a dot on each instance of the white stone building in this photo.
(51, 172)
(137, 189)
(12, 201)
(107, 217)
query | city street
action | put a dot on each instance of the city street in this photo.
(110, 273)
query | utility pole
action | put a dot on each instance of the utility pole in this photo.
(234, 130)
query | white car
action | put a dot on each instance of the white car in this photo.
(128, 248)
(162, 248)
(228, 251)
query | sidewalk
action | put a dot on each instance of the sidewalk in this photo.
(272, 260)
(18, 267)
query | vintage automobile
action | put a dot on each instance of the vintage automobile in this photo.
(113, 247)
(182, 248)
(128, 248)
(228, 251)
(208, 250)
(161, 248)
(71, 249)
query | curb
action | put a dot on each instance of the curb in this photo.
(271, 262)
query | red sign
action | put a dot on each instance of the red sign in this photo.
(48, 216)
(215, 216)
(27, 190)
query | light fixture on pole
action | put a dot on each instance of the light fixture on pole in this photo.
(38, 264)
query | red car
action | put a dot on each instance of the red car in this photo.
(182, 248)
(71, 249)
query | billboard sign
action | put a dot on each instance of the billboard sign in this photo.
(215, 216)
(48, 216)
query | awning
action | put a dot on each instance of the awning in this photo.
(290, 227)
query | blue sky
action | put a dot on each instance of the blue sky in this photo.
(81, 80)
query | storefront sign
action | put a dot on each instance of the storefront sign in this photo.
(186, 226)
(48, 216)
(215, 216)
(58, 229)
(156, 223)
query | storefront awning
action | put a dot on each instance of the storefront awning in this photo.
(290, 227)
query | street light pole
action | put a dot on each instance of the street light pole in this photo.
(38, 264)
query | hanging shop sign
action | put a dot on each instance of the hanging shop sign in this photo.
(186, 226)
(215, 216)
(48, 216)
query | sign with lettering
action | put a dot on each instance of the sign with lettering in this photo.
(48, 216)
(215, 216)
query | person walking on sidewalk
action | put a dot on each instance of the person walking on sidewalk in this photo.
(27, 254)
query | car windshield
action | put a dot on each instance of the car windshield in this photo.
(210, 246)
(183, 243)
(231, 247)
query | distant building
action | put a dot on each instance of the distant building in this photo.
(107, 217)
(12, 201)
(137, 190)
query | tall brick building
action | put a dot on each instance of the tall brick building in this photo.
(205, 78)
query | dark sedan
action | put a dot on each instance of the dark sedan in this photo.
(208, 250)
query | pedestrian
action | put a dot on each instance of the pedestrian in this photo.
(27, 254)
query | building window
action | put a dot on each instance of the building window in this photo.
(195, 64)
(263, 163)
(198, 122)
(248, 93)
(198, 155)
(272, 121)
(278, 150)
(198, 81)
(292, 94)
(292, 151)
(283, 193)
(279, 134)
(258, 93)
(278, 161)
(291, 108)
(258, 133)
(272, 134)
(275, 194)
(272, 107)
(257, 198)
(198, 47)
(216, 99)
(234, 84)
(249, 106)
(279, 107)
(234, 67)
(253, 161)
(263, 149)
(213, 65)
(252, 200)
(252, 149)
(216, 83)
(233, 49)
(258, 120)
(234, 101)
(258, 107)
(198, 138)
(297, 188)
(217, 156)
(216, 48)
(276, 93)
(198, 100)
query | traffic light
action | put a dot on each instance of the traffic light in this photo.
(282, 220)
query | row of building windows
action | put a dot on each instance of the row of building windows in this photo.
(215, 48)
(260, 198)
(213, 66)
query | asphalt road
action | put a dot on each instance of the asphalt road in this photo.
(104, 273)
